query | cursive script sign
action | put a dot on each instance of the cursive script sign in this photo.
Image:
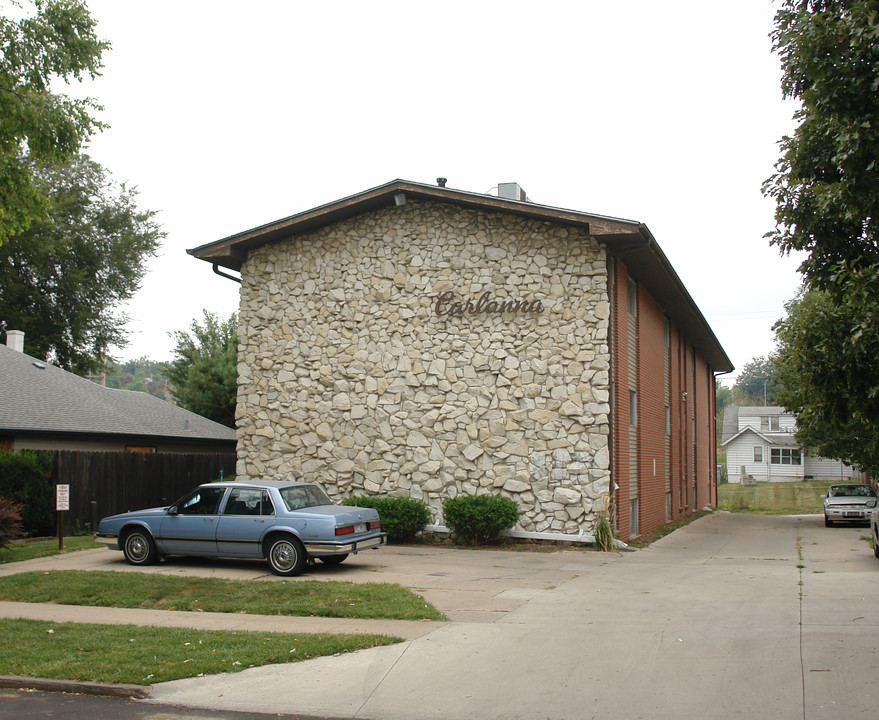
(446, 305)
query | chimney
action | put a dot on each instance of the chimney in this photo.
(15, 340)
(511, 191)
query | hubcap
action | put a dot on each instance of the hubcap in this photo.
(284, 556)
(137, 547)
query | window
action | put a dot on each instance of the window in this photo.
(758, 453)
(667, 421)
(249, 501)
(633, 408)
(203, 501)
(770, 424)
(633, 298)
(785, 456)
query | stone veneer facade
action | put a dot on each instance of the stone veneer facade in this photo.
(348, 377)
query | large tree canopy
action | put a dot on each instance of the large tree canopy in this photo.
(826, 190)
(828, 365)
(62, 280)
(827, 182)
(204, 372)
(55, 41)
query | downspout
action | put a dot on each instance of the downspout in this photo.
(219, 272)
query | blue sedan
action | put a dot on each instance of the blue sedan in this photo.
(287, 523)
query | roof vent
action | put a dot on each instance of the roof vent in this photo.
(441, 181)
(511, 191)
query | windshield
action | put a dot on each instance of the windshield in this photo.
(304, 496)
(852, 491)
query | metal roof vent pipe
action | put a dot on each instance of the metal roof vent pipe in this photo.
(511, 191)
(15, 340)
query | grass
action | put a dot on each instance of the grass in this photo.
(127, 654)
(163, 592)
(788, 498)
(32, 549)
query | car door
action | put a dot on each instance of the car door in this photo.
(243, 522)
(190, 527)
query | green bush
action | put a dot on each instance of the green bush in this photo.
(25, 478)
(10, 522)
(481, 519)
(402, 518)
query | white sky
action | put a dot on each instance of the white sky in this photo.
(227, 116)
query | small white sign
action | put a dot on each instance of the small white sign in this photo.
(62, 497)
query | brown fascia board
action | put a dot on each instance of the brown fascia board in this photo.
(627, 239)
(232, 251)
(648, 265)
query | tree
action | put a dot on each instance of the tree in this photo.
(757, 383)
(826, 190)
(204, 373)
(828, 364)
(826, 186)
(62, 279)
(56, 42)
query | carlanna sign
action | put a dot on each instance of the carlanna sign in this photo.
(447, 306)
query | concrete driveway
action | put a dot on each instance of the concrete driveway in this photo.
(732, 616)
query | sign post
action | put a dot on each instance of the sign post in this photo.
(62, 503)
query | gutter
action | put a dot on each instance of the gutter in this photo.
(219, 272)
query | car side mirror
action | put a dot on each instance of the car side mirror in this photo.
(172, 510)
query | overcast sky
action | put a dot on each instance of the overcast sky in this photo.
(227, 116)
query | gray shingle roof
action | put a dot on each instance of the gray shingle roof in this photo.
(38, 397)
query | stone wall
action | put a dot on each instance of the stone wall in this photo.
(363, 368)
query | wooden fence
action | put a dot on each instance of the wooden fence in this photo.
(106, 483)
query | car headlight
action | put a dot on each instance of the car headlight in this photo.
(872, 503)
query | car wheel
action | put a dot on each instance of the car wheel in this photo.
(827, 522)
(286, 555)
(333, 559)
(139, 548)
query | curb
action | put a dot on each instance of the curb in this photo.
(138, 692)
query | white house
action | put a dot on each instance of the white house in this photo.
(761, 445)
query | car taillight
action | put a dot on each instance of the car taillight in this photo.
(375, 525)
(345, 530)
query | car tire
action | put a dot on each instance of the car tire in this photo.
(827, 522)
(333, 559)
(286, 555)
(139, 548)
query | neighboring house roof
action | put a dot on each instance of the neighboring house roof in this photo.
(785, 439)
(629, 239)
(36, 397)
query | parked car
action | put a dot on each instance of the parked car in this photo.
(849, 503)
(287, 523)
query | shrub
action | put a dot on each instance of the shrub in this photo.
(25, 478)
(481, 519)
(402, 518)
(10, 522)
(604, 539)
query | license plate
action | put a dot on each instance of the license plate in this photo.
(360, 528)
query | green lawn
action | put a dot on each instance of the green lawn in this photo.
(794, 498)
(133, 655)
(301, 597)
(144, 655)
(31, 549)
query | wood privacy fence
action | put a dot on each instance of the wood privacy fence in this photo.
(106, 483)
